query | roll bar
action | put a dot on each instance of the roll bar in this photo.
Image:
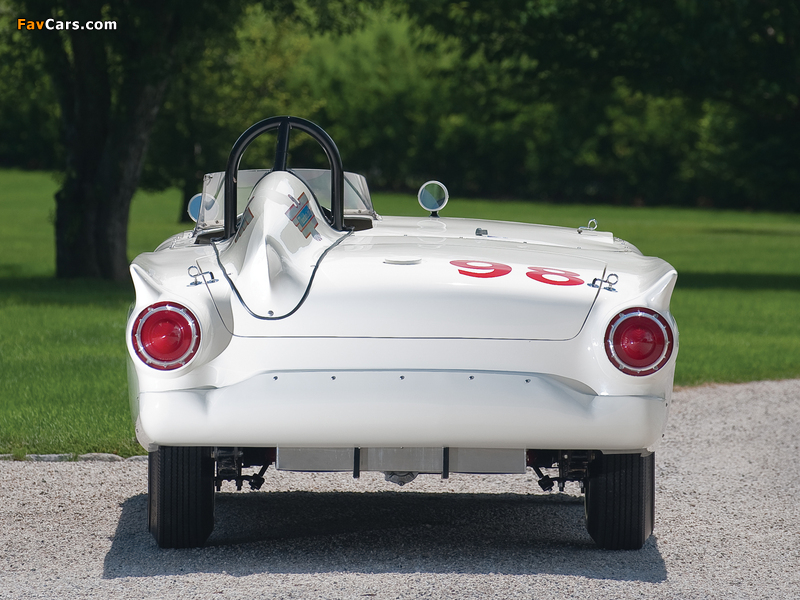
(284, 125)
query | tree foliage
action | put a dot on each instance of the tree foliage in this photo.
(561, 100)
(29, 127)
(733, 64)
(110, 85)
(229, 87)
(682, 102)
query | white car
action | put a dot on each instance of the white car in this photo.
(294, 326)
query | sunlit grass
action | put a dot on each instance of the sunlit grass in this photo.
(63, 381)
(63, 384)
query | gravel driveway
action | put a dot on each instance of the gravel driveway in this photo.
(727, 526)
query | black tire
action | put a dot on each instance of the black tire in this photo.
(180, 507)
(620, 500)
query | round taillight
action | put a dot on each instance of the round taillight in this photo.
(166, 335)
(639, 341)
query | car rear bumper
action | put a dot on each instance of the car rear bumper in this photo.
(326, 409)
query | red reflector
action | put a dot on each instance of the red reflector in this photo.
(166, 335)
(639, 341)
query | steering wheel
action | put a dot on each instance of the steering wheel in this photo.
(284, 125)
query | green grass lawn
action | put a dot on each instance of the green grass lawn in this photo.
(63, 384)
(62, 357)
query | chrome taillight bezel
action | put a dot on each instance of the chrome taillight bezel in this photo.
(659, 325)
(191, 326)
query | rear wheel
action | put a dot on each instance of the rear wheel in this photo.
(181, 496)
(620, 500)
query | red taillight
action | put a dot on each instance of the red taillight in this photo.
(639, 341)
(166, 335)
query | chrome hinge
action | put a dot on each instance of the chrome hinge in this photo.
(199, 276)
(610, 282)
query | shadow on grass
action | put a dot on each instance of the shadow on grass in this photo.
(65, 292)
(386, 532)
(737, 281)
(752, 231)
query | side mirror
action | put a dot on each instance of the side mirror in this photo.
(433, 197)
(195, 202)
(205, 205)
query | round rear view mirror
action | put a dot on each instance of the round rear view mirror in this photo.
(203, 206)
(433, 197)
(195, 202)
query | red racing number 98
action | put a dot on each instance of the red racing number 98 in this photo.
(481, 268)
(554, 276)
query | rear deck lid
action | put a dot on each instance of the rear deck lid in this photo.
(289, 274)
(388, 288)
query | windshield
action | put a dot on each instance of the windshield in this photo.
(357, 200)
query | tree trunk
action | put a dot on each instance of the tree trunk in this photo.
(110, 86)
(93, 206)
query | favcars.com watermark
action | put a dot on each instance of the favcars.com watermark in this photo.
(54, 24)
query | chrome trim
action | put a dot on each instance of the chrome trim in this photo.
(656, 318)
(590, 226)
(139, 346)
